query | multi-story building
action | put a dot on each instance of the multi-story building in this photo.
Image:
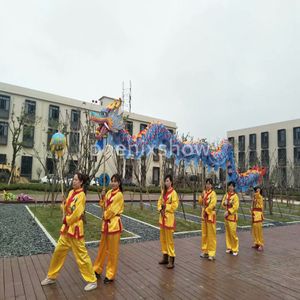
(276, 146)
(44, 112)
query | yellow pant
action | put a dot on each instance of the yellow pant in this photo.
(257, 234)
(209, 238)
(81, 255)
(109, 247)
(167, 241)
(232, 240)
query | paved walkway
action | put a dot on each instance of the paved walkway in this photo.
(273, 274)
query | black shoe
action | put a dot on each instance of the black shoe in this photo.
(165, 260)
(106, 280)
(98, 276)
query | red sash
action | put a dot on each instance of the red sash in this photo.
(107, 204)
(229, 195)
(168, 193)
(205, 202)
(253, 215)
(257, 209)
(165, 197)
(69, 212)
(206, 198)
(228, 205)
(70, 200)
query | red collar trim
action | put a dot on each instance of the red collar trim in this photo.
(112, 194)
(229, 195)
(207, 194)
(75, 192)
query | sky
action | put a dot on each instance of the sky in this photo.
(208, 65)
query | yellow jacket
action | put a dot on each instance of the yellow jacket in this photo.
(167, 216)
(231, 203)
(74, 209)
(208, 202)
(257, 208)
(113, 205)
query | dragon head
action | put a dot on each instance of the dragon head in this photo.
(109, 120)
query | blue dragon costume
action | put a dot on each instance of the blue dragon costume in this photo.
(110, 124)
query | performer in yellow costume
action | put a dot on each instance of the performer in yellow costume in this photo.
(72, 236)
(257, 219)
(231, 203)
(113, 206)
(167, 205)
(208, 200)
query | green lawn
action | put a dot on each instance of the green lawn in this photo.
(51, 220)
(151, 216)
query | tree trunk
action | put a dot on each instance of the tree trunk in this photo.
(13, 166)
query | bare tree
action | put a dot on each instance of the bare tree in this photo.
(20, 126)
(81, 147)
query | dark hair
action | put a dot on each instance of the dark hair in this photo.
(231, 183)
(171, 179)
(84, 178)
(209, 180)
(118, 178)
(258, 187)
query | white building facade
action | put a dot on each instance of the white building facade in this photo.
(45, 111)
(276, 146)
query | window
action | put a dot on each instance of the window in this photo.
(297, 156)
(50, 165)
(128, 172)
(50, 132)
(92, 137)
(222, 175)
(26, 166)
(119, 165)
(75, 119)
(4, 106)
(264, 140)
(231, 141)
(143, 126)
(2, 158)
(129, 127)
(282, 157)
(242, 161)
(28, 136)
(155, 176)
(281, 137)
(30, 108)
(265, 159)
(296, 167)
(74, 142)
(171, 131)
(155, 155)
(3, 133)
(282, 177)
(53, 116)
(252, 158)
(73, 164)
(296, 131)
(252, 141)
(241, 143)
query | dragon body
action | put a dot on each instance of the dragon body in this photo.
(156, 136)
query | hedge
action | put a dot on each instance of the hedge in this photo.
(42, 187)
